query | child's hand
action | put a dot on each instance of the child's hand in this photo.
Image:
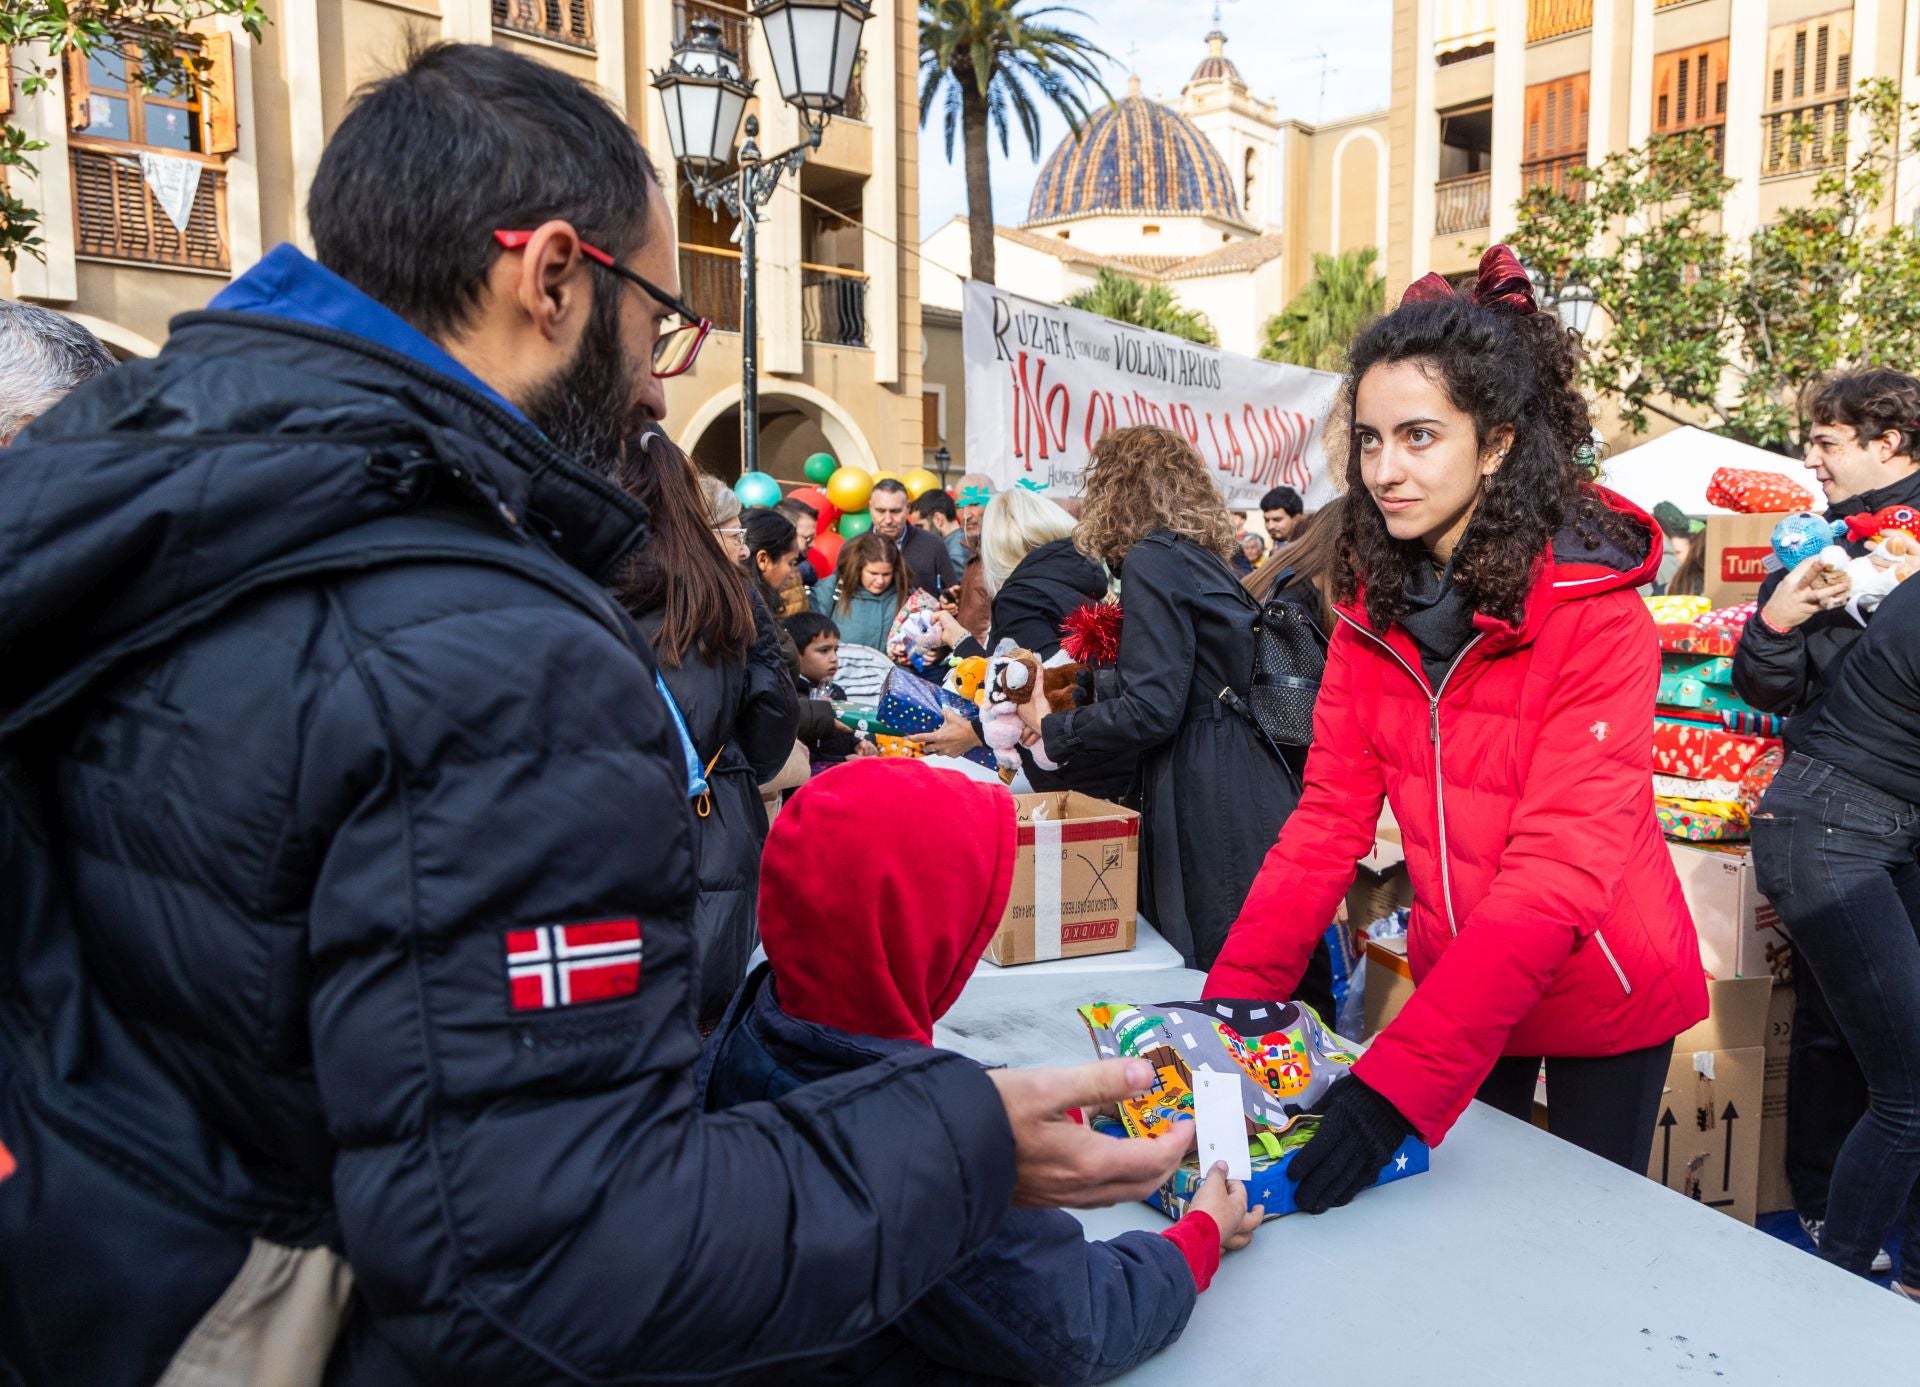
(1225, 1202)
(865, 748)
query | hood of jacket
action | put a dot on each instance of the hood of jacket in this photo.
(1574, 566)
(255, 433)
(1055, 577)
(873, 940)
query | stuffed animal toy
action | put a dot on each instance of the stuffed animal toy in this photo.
(966, 677)
(915, 640)
(1000, 724)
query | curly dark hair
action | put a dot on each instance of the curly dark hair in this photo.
(1873, 402)
(1500, 368)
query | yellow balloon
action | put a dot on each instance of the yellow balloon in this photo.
(886, 474)
(919, 482)
(849, 487)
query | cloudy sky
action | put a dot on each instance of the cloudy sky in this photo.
(1277, 47)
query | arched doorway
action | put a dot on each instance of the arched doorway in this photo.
(796, 421)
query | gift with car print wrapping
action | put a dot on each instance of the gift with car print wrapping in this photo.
(1286, 1058)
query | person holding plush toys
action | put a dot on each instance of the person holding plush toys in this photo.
(1863, 440)
(1493, 678)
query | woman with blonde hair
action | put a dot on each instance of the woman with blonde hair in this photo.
(1211, 794)
(1034, 576)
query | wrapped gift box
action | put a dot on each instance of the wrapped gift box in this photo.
(1696, 638)
(1701, 821)
(1707, 669)
(1698, 751)
(909, 704)
(1685, 691)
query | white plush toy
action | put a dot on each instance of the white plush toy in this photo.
(1010, 674)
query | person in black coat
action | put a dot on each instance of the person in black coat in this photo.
(346, 858)
(1212, 796)
(1862, 446)
(720, 655)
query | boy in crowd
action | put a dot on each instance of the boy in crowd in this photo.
(935, 510)
(1282, 509)
(828, 743)
(861, 962)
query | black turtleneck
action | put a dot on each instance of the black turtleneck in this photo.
(1439, 618)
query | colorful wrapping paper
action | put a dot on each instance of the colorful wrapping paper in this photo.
(1285, 1057)
(1699, 751)
(1679, 787)
(909, 704)
(1696, 638)
(1707, 669)
(1756, 493)
(1685, 691)
(1673, 608)
(1701, 821)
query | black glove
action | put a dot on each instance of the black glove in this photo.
(1359, 1132)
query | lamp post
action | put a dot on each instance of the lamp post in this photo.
(942, 460)
(814, 44)
(1572, 302)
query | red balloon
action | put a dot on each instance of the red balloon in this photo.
(825, 553)
(817, 498)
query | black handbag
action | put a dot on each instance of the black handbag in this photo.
(1289, 661)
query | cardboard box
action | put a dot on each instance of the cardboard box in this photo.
(1775, 1193)
(1075, 881)
(1741, 935)
(1706, 1143)
(1389, 982)
(1737, 545)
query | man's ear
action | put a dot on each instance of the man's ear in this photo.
(549, 285)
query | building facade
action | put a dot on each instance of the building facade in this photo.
(1215, 195)
(840, 345)
(1491, 97)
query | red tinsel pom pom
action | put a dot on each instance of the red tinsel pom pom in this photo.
(1090, 634)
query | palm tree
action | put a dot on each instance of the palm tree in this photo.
(1344, 295)
(990, 59)
(1144, 305)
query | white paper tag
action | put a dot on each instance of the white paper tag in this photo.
(1221, 1123)
(1703, 1064)
(1046, 885)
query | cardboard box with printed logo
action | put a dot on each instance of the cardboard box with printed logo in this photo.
(1737, 547)
(1075, 881)
(1741, 935)
(1706, 1141)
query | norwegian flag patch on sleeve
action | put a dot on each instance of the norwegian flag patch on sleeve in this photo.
(571, 965)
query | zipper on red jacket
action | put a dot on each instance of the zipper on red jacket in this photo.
(1433, 733)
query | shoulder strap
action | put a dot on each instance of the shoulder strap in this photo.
(438, 534)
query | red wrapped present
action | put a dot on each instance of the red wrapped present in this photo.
(1696, 638)
(1701, 752)
(1756, 493)
(1760, 775)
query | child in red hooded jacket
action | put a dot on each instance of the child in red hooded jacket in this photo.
(865, 951)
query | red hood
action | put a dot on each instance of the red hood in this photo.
(880, 885)
(1566, 571)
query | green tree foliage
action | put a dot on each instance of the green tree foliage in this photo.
(1144, 305)
(1703, 331)
(1315, 329)
(153, 27)
(991, 63)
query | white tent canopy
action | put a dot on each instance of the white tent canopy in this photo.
(1678, 466)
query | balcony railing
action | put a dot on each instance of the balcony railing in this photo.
(1804, 138)
(833, 305)
(1714, 134)
(1556, 174)
(1463, 203)
(732, 19)
(710, 283)
(563, 21)
(1549, 19)
(115, 216)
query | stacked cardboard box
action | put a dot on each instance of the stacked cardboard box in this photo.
(1707, 1141)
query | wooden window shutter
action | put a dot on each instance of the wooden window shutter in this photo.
(1557, 118)
(1536, 105)
(929, 419)
(79, 90)
(219, 109)
(1690, 87)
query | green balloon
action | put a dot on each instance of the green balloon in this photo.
(820, 467)
(855, 523)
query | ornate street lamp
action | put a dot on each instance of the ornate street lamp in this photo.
(814, 45)
(1574, 305)
(942, 460)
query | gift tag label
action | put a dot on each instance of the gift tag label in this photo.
(1221, 1123)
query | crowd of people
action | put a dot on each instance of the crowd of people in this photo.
(406, 747)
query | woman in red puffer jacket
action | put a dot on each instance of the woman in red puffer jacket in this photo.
(1493, 678)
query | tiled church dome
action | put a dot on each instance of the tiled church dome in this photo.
(1135, 156)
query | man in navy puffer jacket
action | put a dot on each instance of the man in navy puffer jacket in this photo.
(345, 868)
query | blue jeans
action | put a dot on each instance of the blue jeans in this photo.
(1836, 858)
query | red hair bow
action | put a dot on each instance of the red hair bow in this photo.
(1502, 284)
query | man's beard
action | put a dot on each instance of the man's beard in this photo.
(586, 410)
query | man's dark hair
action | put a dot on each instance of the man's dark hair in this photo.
(1870, 403)
(936, 502)
(1283, 498)
(464, 141)
(795, 509)
(808, 627)
(890, 485)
